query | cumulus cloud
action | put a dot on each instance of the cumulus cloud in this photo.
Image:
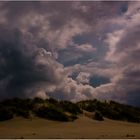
(25, 69)
(124, 49)
(83, 78)
(70, 50)
(86, 48)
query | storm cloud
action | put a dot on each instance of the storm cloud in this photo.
(70, 50)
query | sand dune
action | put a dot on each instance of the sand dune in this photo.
(83, 127)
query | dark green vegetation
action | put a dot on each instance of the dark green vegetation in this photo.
(49, 109)
(66, 110)
(98, 116)
(111, 110)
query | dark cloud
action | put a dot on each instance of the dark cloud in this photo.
(19, 64)
(124, 52)
(70, 50)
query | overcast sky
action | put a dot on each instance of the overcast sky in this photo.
(70, 50)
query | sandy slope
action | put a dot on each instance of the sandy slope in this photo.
(81, 128)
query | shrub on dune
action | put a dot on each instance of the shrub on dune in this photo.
(98, 116)
(51, 113)
(5, 114)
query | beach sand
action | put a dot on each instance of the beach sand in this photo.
(83, 127)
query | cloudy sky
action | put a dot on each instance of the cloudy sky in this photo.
(70, 50)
